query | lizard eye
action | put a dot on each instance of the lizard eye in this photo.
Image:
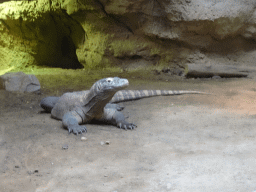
(109, 80)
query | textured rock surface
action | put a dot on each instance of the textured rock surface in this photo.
(40, 30)
(197, 22)
(19, 82)
(128, 33)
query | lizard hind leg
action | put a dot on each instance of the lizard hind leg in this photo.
(48, 103)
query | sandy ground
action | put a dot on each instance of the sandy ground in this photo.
(182, 143)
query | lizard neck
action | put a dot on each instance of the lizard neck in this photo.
(95, 103)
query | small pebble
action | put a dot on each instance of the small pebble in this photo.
(83, 138)
(65, 146)
(107, 142)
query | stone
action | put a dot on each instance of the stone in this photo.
(107, 142)
(83, 138)
(130, 34)
(65, 146)
(20, 82)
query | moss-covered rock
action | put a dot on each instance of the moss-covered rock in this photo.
(41, 31)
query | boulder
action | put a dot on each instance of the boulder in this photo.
(19, 82)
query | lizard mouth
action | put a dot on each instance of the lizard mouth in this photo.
(124, 82)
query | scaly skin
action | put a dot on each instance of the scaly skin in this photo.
(82, 107)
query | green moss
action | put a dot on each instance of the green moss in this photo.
(92, 55)
(186, 70)
(100, 41)
(102, 44)
(121, 48)
(155, 51)
(131, 47)
(165, 59)
(94, 50)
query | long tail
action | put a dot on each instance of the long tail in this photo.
(127, 95)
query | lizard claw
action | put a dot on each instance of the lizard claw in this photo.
(126, 125)
(119, 125)
(119, 108)
(77, 129)
(132, 126)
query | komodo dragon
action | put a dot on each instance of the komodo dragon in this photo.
(77, 108)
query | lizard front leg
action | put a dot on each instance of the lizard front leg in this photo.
(72, 120)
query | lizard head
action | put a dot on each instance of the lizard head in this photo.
(110, 84)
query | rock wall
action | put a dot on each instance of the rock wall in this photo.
(127, 33)
(37, 33)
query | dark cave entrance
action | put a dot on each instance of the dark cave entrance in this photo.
(58, 52)
(68, 52)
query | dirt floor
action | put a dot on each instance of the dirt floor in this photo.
(182, 143)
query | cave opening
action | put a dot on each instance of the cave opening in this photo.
(68, 53)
